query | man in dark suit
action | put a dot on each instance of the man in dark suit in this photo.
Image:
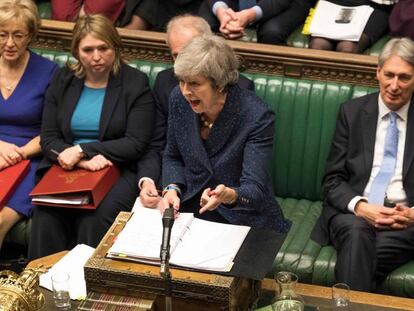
(180, 30)
(275, 19)
(369, 180)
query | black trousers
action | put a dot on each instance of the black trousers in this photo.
(275, 30)
(56, 229)
(367, 255)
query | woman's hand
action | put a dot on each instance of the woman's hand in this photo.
(170, 199)
(69, 157)
(10, 153)
(211, 199)
(97, 163)
(3, 164)
(149, 194)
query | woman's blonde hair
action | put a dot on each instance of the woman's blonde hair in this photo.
(24, 11)
(209, 56)
(101, 28)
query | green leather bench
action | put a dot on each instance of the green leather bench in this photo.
(305, 121)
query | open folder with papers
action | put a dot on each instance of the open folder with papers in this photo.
(195, 243)
(77, 188)
(337, 22)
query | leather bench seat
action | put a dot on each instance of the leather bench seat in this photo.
(305, 122)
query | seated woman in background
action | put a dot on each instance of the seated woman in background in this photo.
(219, 142)
(131, 14)
(98, 112)
(24, 78)
(402, 19)
(376, 27)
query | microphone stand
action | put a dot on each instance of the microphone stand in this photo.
(167, 221)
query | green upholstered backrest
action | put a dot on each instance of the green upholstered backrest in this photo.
(305, 121)
(297, 39)
(376, 48)
(45, 10)
(150, 68)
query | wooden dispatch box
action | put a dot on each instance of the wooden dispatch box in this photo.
(190, 290)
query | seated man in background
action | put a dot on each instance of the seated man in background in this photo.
(179, 31)
(275, 19)
(369, 180)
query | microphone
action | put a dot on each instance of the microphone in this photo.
(167, 223)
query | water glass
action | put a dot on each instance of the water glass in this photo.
(340, 295)
(60, 286)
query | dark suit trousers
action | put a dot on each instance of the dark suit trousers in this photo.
(66, 227)
(367, 255)
(275, 30)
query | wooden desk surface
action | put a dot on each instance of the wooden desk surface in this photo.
(269, 285)
(378, 302)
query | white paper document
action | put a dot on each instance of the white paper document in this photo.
(72, 263)
(195, 243)
(72, 199)
(337, 22)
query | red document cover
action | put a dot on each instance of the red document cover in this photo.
(60, 184)
(10, 178)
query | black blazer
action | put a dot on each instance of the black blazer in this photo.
(349, 164)
(126, 121)
(165, 82)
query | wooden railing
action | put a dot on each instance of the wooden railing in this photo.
(256, 58)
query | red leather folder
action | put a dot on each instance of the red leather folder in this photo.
(10, 178)
(58, 183)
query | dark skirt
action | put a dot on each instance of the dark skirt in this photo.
(377, 25)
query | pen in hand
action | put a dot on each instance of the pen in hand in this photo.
(54, 151)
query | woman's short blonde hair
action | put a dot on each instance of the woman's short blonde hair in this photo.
(101, 28)
(24, 11)
(211, 57)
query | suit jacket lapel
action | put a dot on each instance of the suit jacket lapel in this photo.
(225, 123)
(187, 127)
(112, 94)
(70, 102)
(369, 128)
(409, 138)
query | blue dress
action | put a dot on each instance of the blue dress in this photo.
(20, 118)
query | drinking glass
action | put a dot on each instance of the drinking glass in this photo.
(340, 295)
(60, 286)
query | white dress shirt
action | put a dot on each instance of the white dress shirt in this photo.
(395, 191)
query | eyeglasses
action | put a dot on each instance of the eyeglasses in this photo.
(17, 37)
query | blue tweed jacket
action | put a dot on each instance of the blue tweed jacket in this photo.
(237, 154)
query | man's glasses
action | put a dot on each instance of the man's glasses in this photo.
(17, 37)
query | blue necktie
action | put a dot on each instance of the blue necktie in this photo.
(246, 4)
(382, 180)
